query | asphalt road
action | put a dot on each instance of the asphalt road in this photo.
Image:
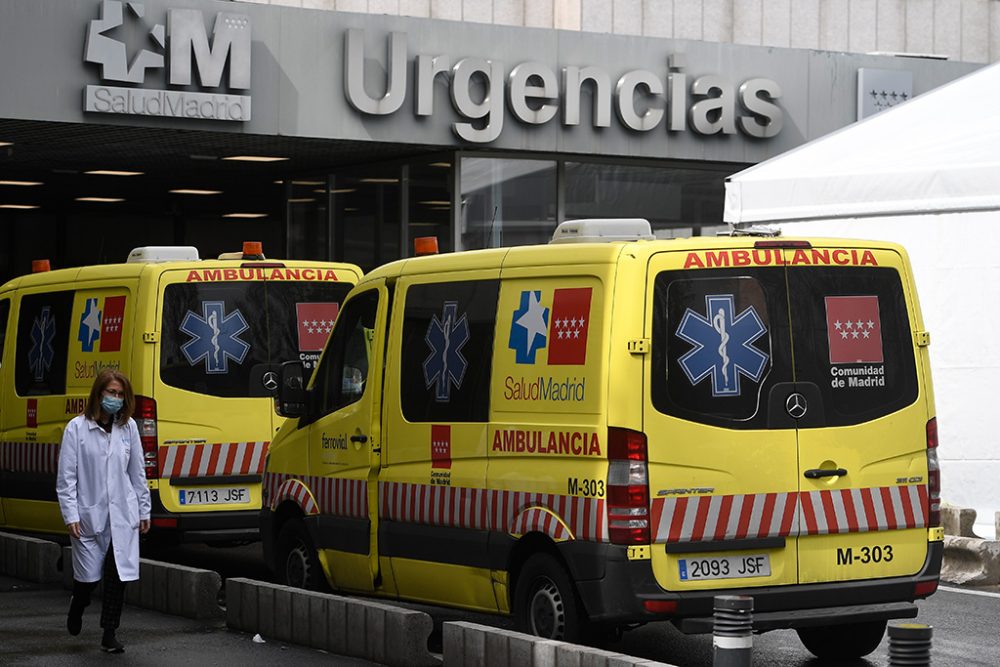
(966, 623)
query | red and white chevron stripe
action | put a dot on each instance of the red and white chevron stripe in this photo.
(864, 510)
(698, 518)
(340, 497)
(535, 519)
(212, 460)
(41, 457)
(483, 509)
(294, 490)
(735, 517)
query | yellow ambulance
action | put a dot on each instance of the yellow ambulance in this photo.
(201, 341)
(602, 432)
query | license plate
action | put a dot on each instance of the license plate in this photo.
(724, 567)
(229, 495)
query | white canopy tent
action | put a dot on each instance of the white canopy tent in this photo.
(925, 174)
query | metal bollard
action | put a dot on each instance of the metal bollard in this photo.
(733, 632)
(910, 644)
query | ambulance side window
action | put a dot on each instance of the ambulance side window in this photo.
(4, 313)
(447, 351)
(41, 351)
(343, 373)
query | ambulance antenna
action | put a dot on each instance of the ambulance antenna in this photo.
(490, 233)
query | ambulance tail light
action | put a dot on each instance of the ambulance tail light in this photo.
(628, 487)
(933, 476)
(145, 419)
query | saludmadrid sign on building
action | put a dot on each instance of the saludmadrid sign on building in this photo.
(183, 36)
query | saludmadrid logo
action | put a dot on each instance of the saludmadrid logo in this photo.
(185, 40)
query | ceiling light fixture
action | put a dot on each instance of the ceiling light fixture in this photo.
(191, 191)
(203, 157)
(301, 200)
(380, 180)
(20, 207)
(436, 202)
(308, 182)
(440, 164)
(245, 215)
(255, 158)
(113, 172)
(102, 200)
(6, 143)
(25, 183)
(343, 191)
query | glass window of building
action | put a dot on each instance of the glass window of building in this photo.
(506, 202)
(429, 193)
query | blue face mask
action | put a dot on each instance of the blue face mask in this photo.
(111, 404)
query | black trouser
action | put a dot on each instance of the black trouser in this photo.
(113, 597)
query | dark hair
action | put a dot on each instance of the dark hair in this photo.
(101, 382)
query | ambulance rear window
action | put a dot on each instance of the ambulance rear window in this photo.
(851, 331)
(220, 338)
(720, 344)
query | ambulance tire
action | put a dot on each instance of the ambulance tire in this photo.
(298, 564)
(545, 601)
(843, 642)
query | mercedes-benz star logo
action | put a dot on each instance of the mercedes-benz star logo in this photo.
(270, 380)
(796, 405)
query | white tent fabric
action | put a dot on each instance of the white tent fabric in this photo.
(939, 152)
(925, 174)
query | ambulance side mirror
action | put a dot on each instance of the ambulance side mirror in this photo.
(291, 399)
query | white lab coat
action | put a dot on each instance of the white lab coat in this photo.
(102, 484)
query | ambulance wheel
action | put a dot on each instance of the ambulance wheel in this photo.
(298, 564)
(545, 601)
(843, 642)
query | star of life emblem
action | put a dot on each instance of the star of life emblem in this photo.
(41, 352)
(445, 366)
(215, 337)
(723, 345)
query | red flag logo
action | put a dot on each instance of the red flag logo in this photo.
(441, 446)
(568, 326)
(853, 329)
(32, 416)
(111, 323)
(315, 321)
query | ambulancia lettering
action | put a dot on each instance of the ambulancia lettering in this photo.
(260, 273)
(575, 443)
(775, 257)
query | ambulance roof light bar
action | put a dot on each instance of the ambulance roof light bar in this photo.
(163, 253)
(251, 250)
(40, 266)
(425, 245)
(602, 230)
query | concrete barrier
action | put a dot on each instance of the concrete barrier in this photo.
(29, 558)
(165, 587)
(971, 561)
(473, 644)
(968, 559)
(344, 626)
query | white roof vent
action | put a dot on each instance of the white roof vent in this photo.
(603, 230)
(164, 253)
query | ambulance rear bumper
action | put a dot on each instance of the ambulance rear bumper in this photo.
(619, 595)
(208, 527)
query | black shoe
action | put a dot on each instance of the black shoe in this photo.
(74, 620)
(111, 645)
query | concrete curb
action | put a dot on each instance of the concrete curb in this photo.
(29, 558)
(172, 589)
(373, 631)
(471, 644)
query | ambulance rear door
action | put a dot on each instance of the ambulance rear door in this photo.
(224, 333)
(862, 417)
(722, 459)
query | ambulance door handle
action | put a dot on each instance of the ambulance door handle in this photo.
(816, 473)
(359, 438)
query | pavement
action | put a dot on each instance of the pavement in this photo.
(33, 632)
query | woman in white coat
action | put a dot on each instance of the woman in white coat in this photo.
(104, 500)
